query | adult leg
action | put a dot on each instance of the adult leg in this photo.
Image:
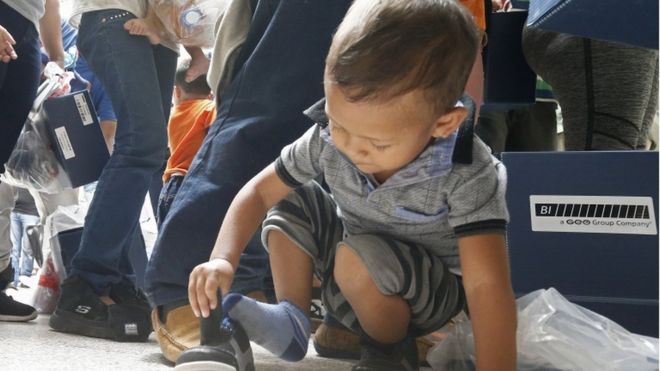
(128, 67)
(16, 250)
(6, 206)
(10, 310)
(603, 88)
(260, 113)
(493, 129)
(533, 128)
(19, 80)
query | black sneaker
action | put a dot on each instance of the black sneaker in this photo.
(224, 346)
(80, 311)
(397, 357)
(14, 311)
(133, 303)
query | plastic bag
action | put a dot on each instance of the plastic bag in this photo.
(33, 163)
(45, 296)
(189, 22)
(555, 334)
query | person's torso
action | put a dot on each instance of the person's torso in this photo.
(187, 129)
(32, 10)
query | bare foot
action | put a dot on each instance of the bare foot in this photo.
(140, 27)
(199, 65)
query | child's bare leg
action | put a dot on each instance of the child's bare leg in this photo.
(385, 318)
(282, 328)
(142, 27)
(292, 271)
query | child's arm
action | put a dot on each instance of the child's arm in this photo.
(244, 216)
(485, 268)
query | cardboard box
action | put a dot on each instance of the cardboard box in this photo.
(586, 224)
(632, 22)
(75, 133)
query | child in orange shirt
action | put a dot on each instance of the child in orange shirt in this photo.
(193, 113)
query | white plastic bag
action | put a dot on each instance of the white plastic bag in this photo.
(189, 22)
(555, 334)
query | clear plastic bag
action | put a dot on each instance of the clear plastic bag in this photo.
(555, 334)
(45, 296)
(189, 22)
(33, 163)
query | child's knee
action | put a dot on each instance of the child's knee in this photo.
(349, 272)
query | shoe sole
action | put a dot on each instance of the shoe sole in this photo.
(204, 366)
(327, 352)
(73, 324)
(10, 318)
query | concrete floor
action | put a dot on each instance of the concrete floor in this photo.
(32, 346)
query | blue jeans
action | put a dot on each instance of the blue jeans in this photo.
(167, 194)
(280, 73)
(21, 253)
(139, 79)
(19, 79)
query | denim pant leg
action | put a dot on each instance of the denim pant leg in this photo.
(167, 194)
(129, 68)
(280, 74)
(21, 255)
(19, 79)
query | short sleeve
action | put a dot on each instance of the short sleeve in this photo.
(299, 162)
(477, 202)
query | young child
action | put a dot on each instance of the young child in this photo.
(193, 114)
(413, 229)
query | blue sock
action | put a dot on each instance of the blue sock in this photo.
(281, 328)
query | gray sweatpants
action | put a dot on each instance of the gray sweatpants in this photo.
(608, 92)
(308, 217)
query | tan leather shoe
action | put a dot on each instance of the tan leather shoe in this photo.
(179, 332)
(336, 342)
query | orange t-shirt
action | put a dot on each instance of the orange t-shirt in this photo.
(478, 10)
(186, 131)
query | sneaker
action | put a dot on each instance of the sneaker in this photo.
(224, 346)
(133, 301)
(177, 330)
(14, 311)
(399, 357)
(80, 311)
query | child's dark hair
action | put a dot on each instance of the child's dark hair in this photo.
(387, 48)
(198, 86)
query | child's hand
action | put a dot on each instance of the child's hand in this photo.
(204, 282)
(7, 52)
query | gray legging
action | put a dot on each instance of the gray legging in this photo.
(608, 92)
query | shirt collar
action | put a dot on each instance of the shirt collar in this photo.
(435, 160)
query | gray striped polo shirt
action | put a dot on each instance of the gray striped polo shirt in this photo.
(455, 187)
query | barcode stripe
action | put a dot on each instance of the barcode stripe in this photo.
(593, 210)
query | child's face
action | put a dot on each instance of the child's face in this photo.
(382, 137)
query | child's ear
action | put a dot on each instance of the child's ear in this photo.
(449, 122)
